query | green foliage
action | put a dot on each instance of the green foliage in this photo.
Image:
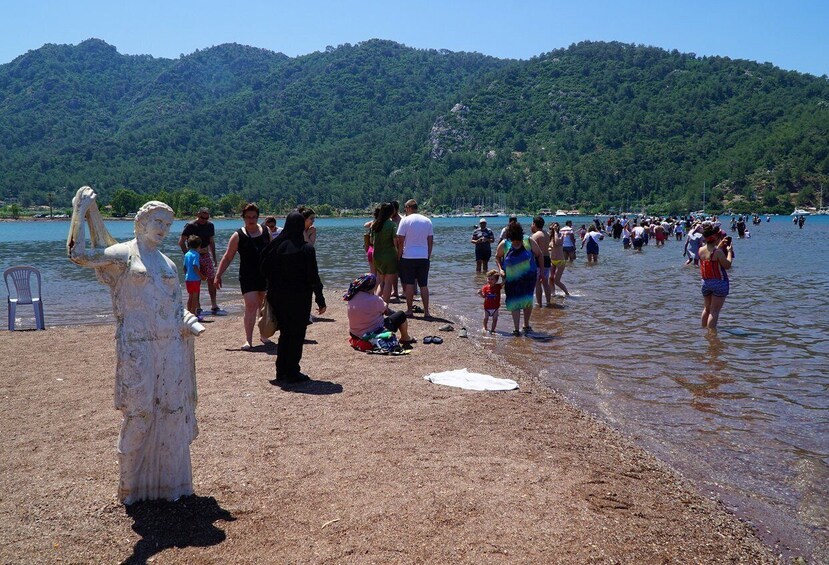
(594, 126)
(323, 209)
(125, 201)
(231, 204)
(603, 125)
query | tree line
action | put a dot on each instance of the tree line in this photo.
(596, 126)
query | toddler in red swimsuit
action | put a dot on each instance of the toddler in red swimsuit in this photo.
(491, 292)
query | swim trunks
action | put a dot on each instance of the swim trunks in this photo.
(592, 247)
(413, 270)
(483, 254)
(206, 264)
(716, 287)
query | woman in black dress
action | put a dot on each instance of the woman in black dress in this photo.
(290, 265)
(249, 240)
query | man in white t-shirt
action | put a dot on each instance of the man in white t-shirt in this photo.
(638, 235)
(512, 219)
(569, 237)
(415, 238)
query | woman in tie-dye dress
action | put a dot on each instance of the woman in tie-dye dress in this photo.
(518, 258)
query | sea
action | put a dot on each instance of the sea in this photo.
(743, 414)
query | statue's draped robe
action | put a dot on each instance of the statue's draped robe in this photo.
(155, 381)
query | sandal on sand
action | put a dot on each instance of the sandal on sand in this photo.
(463, 333)
(417, 309)
(437, 340)
(427, 339)
(447, 328)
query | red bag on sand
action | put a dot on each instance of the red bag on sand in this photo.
(360, 344)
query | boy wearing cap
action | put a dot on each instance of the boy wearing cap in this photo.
(482, 239)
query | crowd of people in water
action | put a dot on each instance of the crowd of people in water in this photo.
(529, 268)
(532, 265)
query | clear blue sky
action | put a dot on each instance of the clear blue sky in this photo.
(792, 34)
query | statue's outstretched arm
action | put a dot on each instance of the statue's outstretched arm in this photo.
(85, 210)
(191, 324)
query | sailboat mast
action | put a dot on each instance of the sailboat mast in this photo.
(703, 195)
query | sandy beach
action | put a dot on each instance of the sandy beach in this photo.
(369, 463)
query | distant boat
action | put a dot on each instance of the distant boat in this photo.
(800, 212)
(545, 212)
(568, 213)
(823, 212)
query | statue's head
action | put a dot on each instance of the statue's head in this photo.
(152, 222)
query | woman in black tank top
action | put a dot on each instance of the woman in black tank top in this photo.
(249, 241)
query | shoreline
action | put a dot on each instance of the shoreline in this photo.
(371, 464)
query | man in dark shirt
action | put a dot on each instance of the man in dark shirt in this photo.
(482, 238)
(205, 229)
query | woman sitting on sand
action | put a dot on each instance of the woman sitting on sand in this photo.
(368, 314)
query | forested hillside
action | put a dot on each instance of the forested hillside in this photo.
(603, 125)
(595, 126)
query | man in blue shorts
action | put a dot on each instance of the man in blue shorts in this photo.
(482, 239)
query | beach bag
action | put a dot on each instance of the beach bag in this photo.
(267, 321)
(380, 340)
(386, 342)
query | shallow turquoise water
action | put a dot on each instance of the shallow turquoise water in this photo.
(745, 415)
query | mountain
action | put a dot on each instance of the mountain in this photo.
(594, 126)
(609, 124)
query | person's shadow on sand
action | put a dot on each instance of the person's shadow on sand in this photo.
(319, 388)
(187, 522)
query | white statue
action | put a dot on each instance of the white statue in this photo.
(155, 377)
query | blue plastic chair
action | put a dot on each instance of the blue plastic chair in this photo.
(21, 278)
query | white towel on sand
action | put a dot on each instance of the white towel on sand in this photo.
(462, 378)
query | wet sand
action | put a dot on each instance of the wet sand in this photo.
(369, 463)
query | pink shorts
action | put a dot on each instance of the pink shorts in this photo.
(193, 287)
